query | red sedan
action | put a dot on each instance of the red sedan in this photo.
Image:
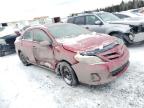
(73, 52)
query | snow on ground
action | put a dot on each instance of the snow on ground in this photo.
(35, 87)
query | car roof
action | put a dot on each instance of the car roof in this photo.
(88, 13)
(47, 25)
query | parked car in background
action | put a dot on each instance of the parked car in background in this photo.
(7, 38)
(127, 14)
(130, 31)
(78, 55)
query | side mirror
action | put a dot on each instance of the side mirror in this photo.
(98, 22)
(45, 43)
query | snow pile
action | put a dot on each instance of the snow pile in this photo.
(35, 87)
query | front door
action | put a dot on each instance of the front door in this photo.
(42, 53)
(92, 26)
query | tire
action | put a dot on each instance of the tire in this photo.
(23, 59)
(68, 74)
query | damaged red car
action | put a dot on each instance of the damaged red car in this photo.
(78, 55)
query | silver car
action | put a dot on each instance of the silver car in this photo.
(131, 31)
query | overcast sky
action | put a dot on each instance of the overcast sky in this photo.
(21, 9)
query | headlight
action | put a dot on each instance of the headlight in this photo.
(89, 53)
(88, 59)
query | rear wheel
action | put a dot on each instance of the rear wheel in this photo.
(23, 59)
(68, 74)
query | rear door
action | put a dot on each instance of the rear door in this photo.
(80, 20)
(43, 54)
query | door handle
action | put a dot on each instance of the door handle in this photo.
(34, 46)
(87, 27)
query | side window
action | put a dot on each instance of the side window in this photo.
(28, 35)
(91, 19)
(79, 20)
(40, 35)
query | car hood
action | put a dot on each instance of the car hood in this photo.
(87, 42)
(128, 21)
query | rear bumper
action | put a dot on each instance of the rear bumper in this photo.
(101, 73)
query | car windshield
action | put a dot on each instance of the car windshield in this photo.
(137, 14)
(6, 31)
(60, 31)
(105, 16)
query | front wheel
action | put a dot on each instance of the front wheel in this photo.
(68, 74)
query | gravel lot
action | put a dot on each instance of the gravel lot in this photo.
(35, 87)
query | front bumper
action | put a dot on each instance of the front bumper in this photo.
(104, 72)
(137, 38)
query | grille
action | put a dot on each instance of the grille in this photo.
(113, 54)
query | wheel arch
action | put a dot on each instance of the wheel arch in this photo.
(121, 36)
(19, 52)
(115, 32)
(57, 66)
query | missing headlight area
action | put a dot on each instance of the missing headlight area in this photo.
(137, 29)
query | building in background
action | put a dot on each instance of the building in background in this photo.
(41, 20)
